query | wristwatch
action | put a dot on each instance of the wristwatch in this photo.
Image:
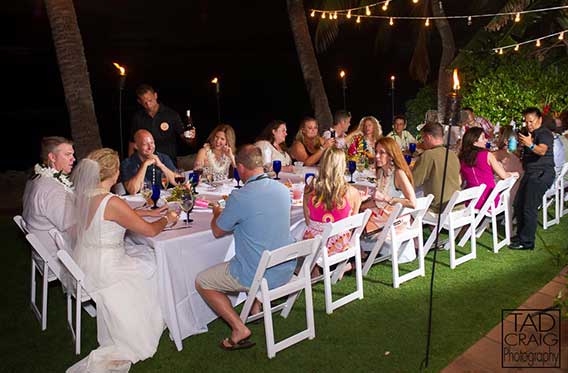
(531, 147)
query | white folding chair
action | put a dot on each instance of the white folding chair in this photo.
(453, 219)
(403, 240)
(563, 196)
(354, 223)
(49, 269)
(551, 197)
(303, 250)
(74, 289)
(491, 211)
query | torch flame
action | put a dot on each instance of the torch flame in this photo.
(215, 80)
(393, 78)
(456, 80)
(120, 68)
(342, 74)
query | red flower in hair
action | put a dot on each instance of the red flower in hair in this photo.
(546, 109)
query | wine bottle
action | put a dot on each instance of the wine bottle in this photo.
(188, 125)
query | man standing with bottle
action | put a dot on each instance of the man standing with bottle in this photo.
(538, 162)
(163, 123)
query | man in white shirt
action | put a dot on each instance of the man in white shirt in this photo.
(400, 134)
(48, 196)
(342, 121)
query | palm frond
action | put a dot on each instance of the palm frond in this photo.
(499, 22)
(326, 29)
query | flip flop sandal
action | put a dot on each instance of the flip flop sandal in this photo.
(233, 346)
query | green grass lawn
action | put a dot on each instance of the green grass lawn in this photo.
(386, 331)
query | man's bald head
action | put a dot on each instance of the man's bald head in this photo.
(144, 143)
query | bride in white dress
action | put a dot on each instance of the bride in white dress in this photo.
(121, 281)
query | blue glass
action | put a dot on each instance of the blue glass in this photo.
(408, 159)
(487, 145)
(195, 179)
(237, 177)
(308, 175)
(412, 148)
(277, 166)
(351, 166)
(155, 195)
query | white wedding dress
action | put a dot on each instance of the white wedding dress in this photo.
(123, 284)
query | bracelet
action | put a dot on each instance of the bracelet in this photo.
(532, 147)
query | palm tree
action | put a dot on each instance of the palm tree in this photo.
(309, 63)
(74, 75)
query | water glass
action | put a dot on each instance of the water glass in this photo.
(277, 166)
(351, 166)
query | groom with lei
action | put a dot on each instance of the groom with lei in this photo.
(47, 200)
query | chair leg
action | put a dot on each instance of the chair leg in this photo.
(452, 241)
(327, 288)
(394, 260)
(78, 321)
(358, 273)
(268, 325)
(421, 255)
(44, 296)
(33, 287)
(309, 306)
(495, 233)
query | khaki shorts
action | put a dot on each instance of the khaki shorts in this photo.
(219, 278)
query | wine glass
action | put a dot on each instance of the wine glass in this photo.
(186, 204)
(351, 166)
(412, 148)
(146, 191)
(237, 177)
(277, 166)
(180, 177)
(155, 195)
(195, 179)
(164, 181)
(408, 159)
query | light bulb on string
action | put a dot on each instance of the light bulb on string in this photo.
(367, 11)
(517, 48)
(391, 21)
(538, 43)
(518, 17)
(386, 5)
(313, 13)
(335, 15)
(323, 15)
(427, 23)
(415, 1)
(500, 50)
(561, 36)
(358, 19)
(469, 21)
(349, 13)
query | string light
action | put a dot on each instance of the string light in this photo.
(427, 23)
(391, 21)
(335, 15)
(501, 51)
(358, 19)
(537, 41)
(469, 21)
(385, 3)
(323, 15)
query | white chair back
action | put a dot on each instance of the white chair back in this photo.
(21, 223)
(453, 218)
(491, 210)
(304, 251)
(562, 186)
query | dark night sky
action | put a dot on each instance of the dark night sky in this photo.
(178, 46)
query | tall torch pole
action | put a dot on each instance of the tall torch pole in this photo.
(342, 75)
(392, 78)
(216, 81)
(122, 72)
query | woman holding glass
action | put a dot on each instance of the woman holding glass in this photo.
(478, 165)
(329, 198)
(217, 155)
(308, 147)
(394, 185)
(272, 143)
(121, 280)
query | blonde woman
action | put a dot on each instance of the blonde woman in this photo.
(217, 155)
(308, 147)
(330, 198)
(363, 140)
(122, 282)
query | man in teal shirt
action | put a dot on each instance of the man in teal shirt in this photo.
(259, 217)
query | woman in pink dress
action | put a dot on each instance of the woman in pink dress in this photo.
(329, 198)
(478, 165)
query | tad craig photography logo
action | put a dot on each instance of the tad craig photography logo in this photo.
(530, 338)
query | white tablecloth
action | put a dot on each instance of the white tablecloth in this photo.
(181, 254)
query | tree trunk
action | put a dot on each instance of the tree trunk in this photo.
(309, 63)
(448, 53)
(74, 75)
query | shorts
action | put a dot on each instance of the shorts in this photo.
(219, 278)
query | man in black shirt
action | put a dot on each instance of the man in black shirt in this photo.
(538, 162)
(163, 123)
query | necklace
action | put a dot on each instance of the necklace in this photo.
(59, 176)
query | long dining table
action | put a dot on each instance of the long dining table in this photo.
(182, 252)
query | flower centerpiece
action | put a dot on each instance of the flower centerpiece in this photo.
(358, 151)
